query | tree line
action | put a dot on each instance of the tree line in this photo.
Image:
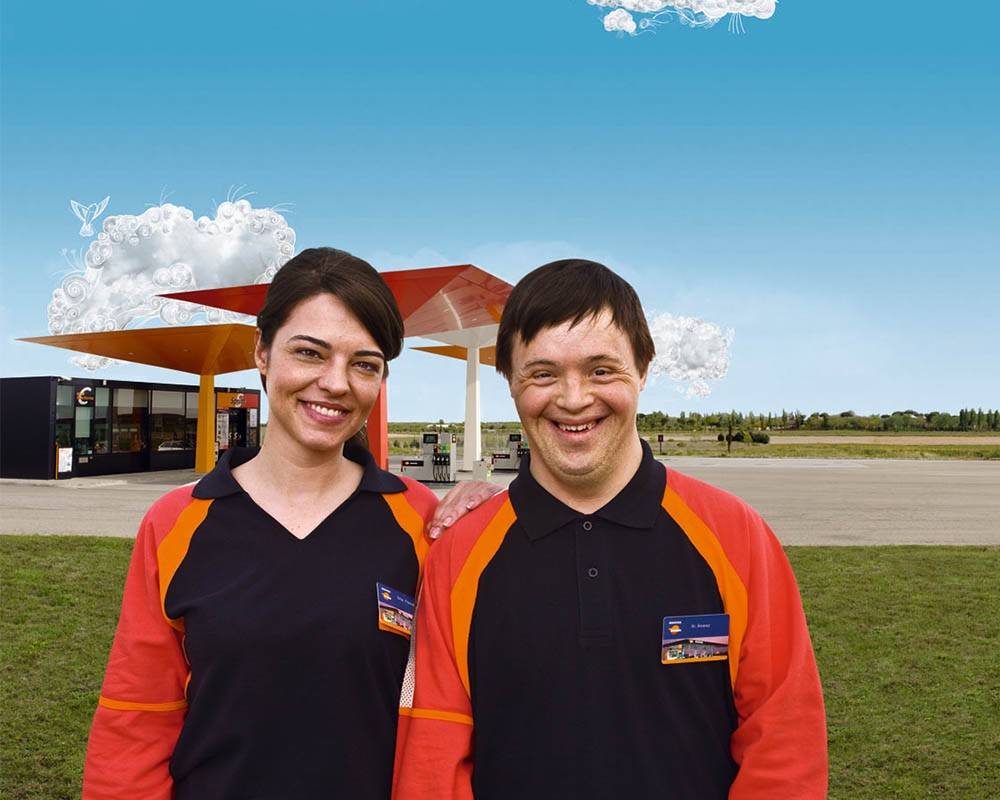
(967, 419)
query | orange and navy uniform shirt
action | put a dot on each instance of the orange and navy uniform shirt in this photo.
(543, 665)
(249, 663)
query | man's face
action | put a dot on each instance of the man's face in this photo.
(576, 390)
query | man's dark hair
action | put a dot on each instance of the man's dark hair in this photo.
(571, 290)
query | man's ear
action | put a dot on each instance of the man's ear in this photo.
(642, 380)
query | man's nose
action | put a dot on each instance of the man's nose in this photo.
(574, 394)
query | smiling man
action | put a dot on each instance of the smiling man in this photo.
(607, 628)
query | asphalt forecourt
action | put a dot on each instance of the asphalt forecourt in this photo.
(905, 638)
(806, 501)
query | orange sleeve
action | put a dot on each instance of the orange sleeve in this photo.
(412, 509)
(142, 705)
(780, 741)
(434, 742)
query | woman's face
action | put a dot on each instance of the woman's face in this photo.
(323, 372)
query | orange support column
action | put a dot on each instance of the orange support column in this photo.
(378, 429)
(205, 445)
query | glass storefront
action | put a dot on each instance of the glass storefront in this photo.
(168, 421)
(128, 426)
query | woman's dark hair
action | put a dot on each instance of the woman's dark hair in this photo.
(572, 289)
(355, 282)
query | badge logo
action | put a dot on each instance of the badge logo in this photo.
(701, 637)
(395, 610)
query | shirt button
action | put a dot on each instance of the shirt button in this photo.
(592, 572)
(587, 525)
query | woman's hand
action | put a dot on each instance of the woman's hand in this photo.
(460, 500)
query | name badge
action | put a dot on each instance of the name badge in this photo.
(701, 637)
(395, 610)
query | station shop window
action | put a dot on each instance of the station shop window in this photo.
(191, 418)
(102, 421)
(64, 416)
(168, 421)
(128, 422)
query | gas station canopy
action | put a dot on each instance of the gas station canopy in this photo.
(198, 349)
(435, 300)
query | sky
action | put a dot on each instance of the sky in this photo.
(825, 184)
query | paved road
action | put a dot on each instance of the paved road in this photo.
(807, 501)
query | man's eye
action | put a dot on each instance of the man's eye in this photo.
(541, 375)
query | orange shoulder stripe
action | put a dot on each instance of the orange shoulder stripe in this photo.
(431, 713)
(171, 551)
(410, 521)
(126, 705)
(463, 593)
(731, 586)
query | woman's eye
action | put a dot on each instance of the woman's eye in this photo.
(367, 366)
(307, 352)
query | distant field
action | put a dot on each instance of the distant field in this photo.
(797, 444)
(930, 448)
(905, 637)
(852, 437)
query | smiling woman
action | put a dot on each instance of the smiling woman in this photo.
(267, 612)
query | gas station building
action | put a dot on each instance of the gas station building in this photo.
(75, 427)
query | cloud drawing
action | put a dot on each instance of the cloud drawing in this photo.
(693, 13)
(166, 249)
(691, 351)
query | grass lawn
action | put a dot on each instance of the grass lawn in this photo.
(906, 639)
(709, 447)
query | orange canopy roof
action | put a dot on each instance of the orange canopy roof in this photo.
(197, 349)
(431, 300)
(487, 355)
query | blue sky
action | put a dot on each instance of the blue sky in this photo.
(826, 184)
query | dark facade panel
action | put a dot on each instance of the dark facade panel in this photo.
(27, 427)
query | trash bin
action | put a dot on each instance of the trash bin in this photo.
(482, 470)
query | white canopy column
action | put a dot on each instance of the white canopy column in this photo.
(473, 449)
(472, 340)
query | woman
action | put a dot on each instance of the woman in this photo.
(265, 623)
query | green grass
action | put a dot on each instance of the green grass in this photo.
(906, 639)
(776, 449)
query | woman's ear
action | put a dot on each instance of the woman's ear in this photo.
(259, 354)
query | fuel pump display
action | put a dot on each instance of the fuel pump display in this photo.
(511, 457)
(438, 461)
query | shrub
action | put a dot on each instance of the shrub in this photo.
(721, 437)
(759, 437)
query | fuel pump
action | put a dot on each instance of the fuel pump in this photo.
(437, 462)
(510, 458)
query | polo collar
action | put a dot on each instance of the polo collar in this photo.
(220, 481)
(637, 505)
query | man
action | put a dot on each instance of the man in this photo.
(607, 628)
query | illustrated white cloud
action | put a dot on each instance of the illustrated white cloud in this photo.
(620, 20)
(694, 13)
(691, 351)
(166, 249)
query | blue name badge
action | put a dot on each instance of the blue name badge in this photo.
(395, 610)
(702, 637)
